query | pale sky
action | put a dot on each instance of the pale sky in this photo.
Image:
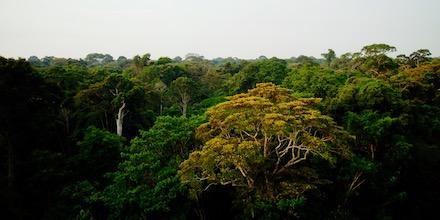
(214, 28)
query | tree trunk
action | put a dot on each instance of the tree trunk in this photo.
(65, 114)
(106, 122)
(269, 185)
(120, 119)
(184, 109)
(11, 163)
(185, 98)
(67, 125)
(161, 105)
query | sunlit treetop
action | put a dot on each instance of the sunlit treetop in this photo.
(264, 132)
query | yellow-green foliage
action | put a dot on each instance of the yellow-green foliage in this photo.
(256, 140)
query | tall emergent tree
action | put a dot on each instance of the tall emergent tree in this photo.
(375, 60)
(260, 142)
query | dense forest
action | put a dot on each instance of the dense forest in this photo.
(349, 136)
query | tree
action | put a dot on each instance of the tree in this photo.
(420, 56)
(260, 142)
(122, 61)
(28, 119)
(376, 61)
(34, 60)
(232, 67)
(145, 184)
(262, 57)
(94, 59)
(272, 70)
(98, 153)
(315, 81)
(27, 114)
(344, 61)
(402, 60)
(195, 68)
(183, 88)
(46, 61)
(329, 56)
(213, 81)
(263, 70)
(377, 49)
(140, 62)
(110, 97)
(164, 60)
(360, 93)
(160, 88)
(165, 72)
(420, 86)
(193, 57)
(145, 60)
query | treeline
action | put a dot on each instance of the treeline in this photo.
(354, 136)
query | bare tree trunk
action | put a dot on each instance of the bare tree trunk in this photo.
(184, 103)
(184, 109)
(120, 119)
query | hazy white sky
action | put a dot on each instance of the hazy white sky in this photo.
(220, 28)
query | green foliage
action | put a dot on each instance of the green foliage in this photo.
(184, 90)
(267, 153)
(164, 71)
(376, 61)
(377, 49)
(316, 81)
(266, 70)
(28, 112)
(329, 56)
(100, 102)
(366, 93)
(97, 152)
(370, 124)
(145, 184)
(257, 142)
(306, 61)
(261, 208)
(200, 108)
(163, 60)
(94, 59)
